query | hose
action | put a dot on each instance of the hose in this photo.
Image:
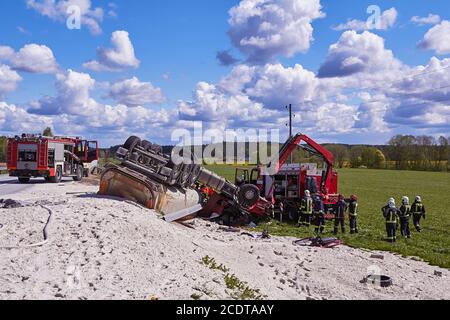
(45, 234)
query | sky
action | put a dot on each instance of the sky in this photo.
(354, 71)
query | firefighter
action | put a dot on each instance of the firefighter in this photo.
(319, 213)
(306, 210)
(391, 215)
(405, 214)
(353, 214)
(339, 216)
(418, 212)
(383, 209)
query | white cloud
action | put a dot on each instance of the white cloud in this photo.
(438, 38)
(133, 92)
(35, 59)
(31, 58)
(74, 106)
(356, 53)
(15, 120)
(430, 19)
(6, 53)
(263, 29)
(58, 10)
(387, 21)
(115, 59)
(73, 96)
(9, 80)
(274, 85)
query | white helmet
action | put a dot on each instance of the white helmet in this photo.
(405, 200)
(392, 203)
(418, 199)
(391, 200)
(307, 193)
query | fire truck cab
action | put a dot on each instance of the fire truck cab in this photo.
(52, 158)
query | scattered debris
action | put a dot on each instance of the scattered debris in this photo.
(438, 273)
(230, 229)
(318, 242)
(263, 235)
(10, 204)
(378, 280)
(377, 256)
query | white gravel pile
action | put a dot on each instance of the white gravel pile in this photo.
(102, 248)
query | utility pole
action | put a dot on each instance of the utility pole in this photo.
(290, 125)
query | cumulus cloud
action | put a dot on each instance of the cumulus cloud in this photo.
(387, 21)
(6, 53)
(437, 38)
(73, 96)
(355, 53)
(9, 80)
(133, 92)
(58, 10)
(256, 95)
(118, 58)
(35, 59)
(14, 119)
(74, 105)
(31, 58)
(263, 29)
(430, 19)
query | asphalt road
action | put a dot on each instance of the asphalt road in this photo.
(10, 185)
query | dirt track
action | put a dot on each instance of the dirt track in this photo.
(108, 249)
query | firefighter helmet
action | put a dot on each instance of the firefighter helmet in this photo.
(405, 200)
(418, 199)
(307, 193)
(391, 203)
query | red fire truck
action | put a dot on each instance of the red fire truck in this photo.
(52, 158)
(285, 186)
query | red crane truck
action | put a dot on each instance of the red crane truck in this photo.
(33, 156)
(285, 186)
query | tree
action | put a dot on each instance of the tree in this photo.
(48, 132)
(340, 153)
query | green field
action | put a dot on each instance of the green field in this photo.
(374, 188)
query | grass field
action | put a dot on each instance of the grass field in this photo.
(374, 188)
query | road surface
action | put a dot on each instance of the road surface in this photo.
(9, 185)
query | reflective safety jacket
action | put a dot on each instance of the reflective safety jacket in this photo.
(418, 208)
(353, 209)
(307, 205)
(391, 215)
(405, 211)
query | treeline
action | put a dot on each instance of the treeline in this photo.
(403, 152)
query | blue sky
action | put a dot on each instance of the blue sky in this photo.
(176, 43)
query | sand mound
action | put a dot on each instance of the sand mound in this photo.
(101, 248)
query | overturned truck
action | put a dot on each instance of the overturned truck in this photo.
(176, 188)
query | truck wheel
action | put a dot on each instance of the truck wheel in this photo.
(131, 143)
(58, 176)
(24, 180)
(79, 175)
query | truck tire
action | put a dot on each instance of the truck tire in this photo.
(131, 143)
(58, 176)
(24, 180)
(79, 175)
